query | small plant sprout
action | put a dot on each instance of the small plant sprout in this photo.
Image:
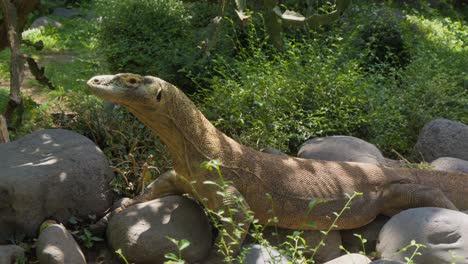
(172, 257)
(333, 225)
(417, 246)
(121, 255)
(88, 238)
(296, 247)
(227, 240)
(363, 243)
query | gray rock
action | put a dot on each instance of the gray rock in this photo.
(443, 138)
(65, 12)
(443, 231)
(51, 173)
(258, 254)
(370, 232)
(340, 148)
(100, 253)
(56, 245)
(331, 249)
(350, 259)
(10, 254)
(387, 261)
(141, 230)
(450, 164)
(43, 22)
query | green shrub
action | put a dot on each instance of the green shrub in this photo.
(4, 97)
(382, 40)
(153, 37)
(323, 84)
(5, 63)
(281, 99)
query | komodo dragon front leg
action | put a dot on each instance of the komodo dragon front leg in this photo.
(165, 185)
(226, 205)
(233, 213)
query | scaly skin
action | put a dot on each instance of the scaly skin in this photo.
(290, 182)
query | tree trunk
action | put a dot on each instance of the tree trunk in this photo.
(24, 8)
(273, 23)
(11, 19)
(4, 137)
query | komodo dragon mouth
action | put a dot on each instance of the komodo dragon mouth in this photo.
(127, 88)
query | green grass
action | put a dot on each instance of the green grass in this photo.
(4, 63)
(3, 98)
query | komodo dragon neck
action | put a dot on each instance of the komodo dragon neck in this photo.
(189, 136)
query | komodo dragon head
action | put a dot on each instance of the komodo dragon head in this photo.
(165, 110)
(130, 90)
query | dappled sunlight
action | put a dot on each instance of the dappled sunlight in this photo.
(63, 176)
(442, 32)
(55, 251)
(43, 162)
(139, 227)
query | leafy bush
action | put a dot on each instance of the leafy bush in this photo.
(281, 100)
(382, 40)
(323, 84)
(5, 63)
(153, 37)
(4, 97)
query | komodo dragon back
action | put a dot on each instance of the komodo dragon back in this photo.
(289, 183)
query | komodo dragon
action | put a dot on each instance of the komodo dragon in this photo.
(290, 182)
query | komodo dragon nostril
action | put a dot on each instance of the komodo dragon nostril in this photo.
(96, 81)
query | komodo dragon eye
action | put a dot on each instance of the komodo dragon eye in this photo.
(131, 80)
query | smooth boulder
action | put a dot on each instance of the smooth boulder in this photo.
(331, 249)
(450, 164)
(443, 138)
(444, 232)
(56, 245)
(11, 254)
(52, 173)
(369, 232)
(142, 231)
(258, 254)
(341, 148)
(387, 261)
(44, 22)
(350, 259)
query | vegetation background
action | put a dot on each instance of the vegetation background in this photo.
(379, 72)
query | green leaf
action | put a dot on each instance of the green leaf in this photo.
(73, 220)
(171, 256)
(312, 224)
(173, 240)
(87, 233)
(97, 239)
(184, 244)
(313, 203)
